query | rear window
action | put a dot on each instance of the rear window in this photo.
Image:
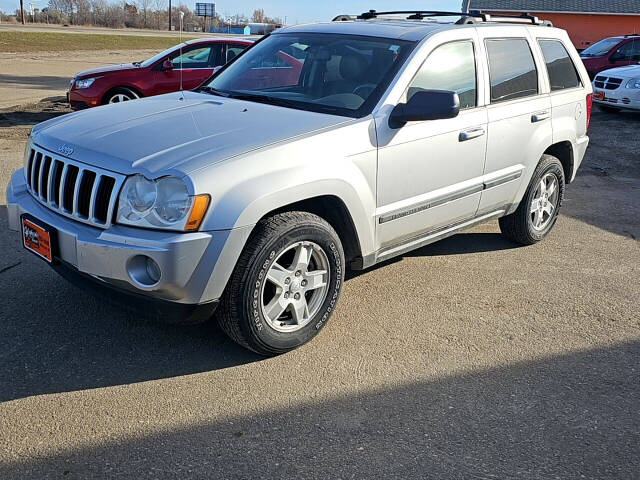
(512, 70)
(562, 71)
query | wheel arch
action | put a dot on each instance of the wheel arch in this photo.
(332, 209)
(563, 151)
(136, 90)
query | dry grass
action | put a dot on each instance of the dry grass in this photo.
(55, 42)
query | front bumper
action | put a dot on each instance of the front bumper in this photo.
(84, 98)
(619, 98)
(194, 267)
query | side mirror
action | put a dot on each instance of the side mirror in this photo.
(426, 105)
(167, 65)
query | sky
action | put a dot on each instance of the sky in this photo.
(296, 11)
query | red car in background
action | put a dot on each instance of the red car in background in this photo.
(610, 53)
(194, 61)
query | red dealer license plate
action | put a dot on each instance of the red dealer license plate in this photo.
(37, 239)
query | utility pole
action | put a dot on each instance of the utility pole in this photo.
(22, 11)
(169, 15)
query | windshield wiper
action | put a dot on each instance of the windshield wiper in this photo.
(260, 98)
(136, 64)
(213, 91)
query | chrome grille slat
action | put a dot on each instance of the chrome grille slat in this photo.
(94, 194)
(40, 177)
(82, 192)
(51, 182)
(63, 181)
(76, 192)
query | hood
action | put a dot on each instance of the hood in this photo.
(164, 134)
(92, 72)
(627, 71)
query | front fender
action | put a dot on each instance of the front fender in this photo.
(340, 163)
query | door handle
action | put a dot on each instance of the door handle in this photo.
(538, 117)
(470, 134)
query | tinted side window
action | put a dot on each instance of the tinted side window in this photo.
(452, 67)
(512, 70)
(234, 49)
(630, 50)
(199, 57)
(562, 71)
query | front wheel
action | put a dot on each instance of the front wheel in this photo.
(538, 210)
(286, 284)
(120, 94)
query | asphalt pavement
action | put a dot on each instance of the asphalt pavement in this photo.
(472, 358)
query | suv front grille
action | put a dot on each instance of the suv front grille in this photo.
(608, 83)
(82, 192)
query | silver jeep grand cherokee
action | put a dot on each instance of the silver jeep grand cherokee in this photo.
(323, 147)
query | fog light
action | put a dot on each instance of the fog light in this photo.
(153, 270)
(144, 270)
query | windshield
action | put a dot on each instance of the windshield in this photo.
(600, 48)
(338, 74)
(150, 61)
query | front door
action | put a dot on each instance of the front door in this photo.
(191, 67)
(430, 173)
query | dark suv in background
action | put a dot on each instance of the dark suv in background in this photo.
(611, 52)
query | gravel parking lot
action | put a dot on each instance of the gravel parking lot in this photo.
(470, 358)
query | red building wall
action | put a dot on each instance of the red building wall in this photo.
(585, 29)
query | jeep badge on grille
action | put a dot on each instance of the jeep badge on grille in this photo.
(65, 150)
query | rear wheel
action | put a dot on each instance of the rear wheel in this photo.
(538, 210)
(286, 284)
(121, 94)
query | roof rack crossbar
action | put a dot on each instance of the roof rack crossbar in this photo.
(473, 16)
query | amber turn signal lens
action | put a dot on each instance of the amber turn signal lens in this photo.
(198, 210)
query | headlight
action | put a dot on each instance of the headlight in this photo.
(633, 83)
(85, 83)
(162, 203)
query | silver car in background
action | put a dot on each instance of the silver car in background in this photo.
(322, 147)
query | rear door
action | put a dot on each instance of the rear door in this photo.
(567, 93)
(519, 115)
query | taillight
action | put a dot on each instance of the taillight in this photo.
(589, 108)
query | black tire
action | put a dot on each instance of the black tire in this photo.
(518, 226)
(608, 109)
(240, 313)
(130, 94)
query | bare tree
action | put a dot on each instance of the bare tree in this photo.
(258, 16)
(145, 6)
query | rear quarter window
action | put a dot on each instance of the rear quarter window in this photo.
(512, 70)
(562, 71)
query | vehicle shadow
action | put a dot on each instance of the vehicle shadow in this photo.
(459, 244)
(28, 116)
(606, 191)
(56, 338)
(48, 82)
(567, 416)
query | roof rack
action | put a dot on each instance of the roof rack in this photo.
(473, 16)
